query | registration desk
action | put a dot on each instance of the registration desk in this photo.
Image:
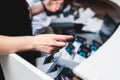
(104, 65)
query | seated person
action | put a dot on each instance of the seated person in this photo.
(40, 22)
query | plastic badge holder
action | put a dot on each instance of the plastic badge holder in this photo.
(65, 58)
(82, 54)
(44, 63)
(49, 59)
(51, 68)
(63, 77)
(45, 67)
(67, 51)
(44, 59)
(56, 71)
(40, 62)
(70, 63)
(84, 51)
(67, 72)
(78, 42)
(70, 48)
(78, 59)
(95, 45)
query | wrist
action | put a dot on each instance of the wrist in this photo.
(29, 40)
(44, 5)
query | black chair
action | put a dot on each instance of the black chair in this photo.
(108, 28)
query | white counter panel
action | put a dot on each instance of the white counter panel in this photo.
(105, 63)
(16, 68)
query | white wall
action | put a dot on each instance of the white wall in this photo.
(116, 1)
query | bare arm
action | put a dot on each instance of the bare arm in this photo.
(48, 43)
(51, 5)
(36, 9)
(14, 44)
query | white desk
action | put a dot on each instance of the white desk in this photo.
(104, 65)
(116, 1)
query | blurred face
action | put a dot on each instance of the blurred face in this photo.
(53, 5)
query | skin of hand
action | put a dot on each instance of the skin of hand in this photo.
(53, 5)
(50, 43)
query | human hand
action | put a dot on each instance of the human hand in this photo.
(50, 43)
(53, 5)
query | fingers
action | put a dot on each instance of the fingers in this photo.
(59, 1)
(57, 8)
(57, 4)
(55, 43)
(55, 50)
(60, 44)
(63, 37)
(50, 43)
(52, 50)
(48, 49)
(53, 5)
(59, 40)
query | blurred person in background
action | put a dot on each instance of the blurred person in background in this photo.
(40, 22)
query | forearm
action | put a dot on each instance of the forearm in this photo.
(46, 5)
(15, 44)
(36, 9)
(47, 43)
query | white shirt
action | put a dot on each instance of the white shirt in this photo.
(39, 21)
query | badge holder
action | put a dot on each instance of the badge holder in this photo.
(55, 71)
(67, 74)
(46, 62)
(49, 59)
(68, 51)
(83, 53)
(78, 42)
(95, 46)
